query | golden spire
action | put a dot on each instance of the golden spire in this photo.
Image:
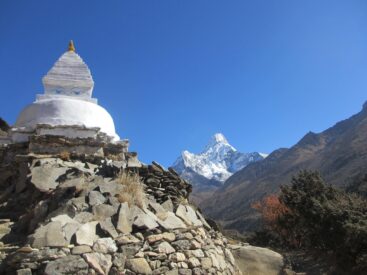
(71, 47)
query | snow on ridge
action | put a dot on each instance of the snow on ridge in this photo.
(218, 161)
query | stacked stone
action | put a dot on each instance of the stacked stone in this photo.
(163, 185)
(64, 217)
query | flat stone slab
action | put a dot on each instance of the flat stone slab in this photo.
(188, 215)
(86, 234)
(49, 235)
(100, 262)
(139, 265)
(67, 265)
(172, 222)
(44, 178)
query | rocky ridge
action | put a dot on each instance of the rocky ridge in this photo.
(61, 214)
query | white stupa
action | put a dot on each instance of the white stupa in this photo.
(67, 101)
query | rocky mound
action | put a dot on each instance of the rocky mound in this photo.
(79, 216)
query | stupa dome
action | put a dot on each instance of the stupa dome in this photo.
(67, 99)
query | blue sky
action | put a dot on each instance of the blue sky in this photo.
(172, 73)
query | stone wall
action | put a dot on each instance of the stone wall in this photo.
(67, 217)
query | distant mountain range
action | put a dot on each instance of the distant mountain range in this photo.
(339, 153)
(208, 170)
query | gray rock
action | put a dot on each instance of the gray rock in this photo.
(84, 217)
(69, 230)
(81, 249)
(194, 262)
(110, 187)
(258, 260)
(99, 262)
(127, 239)
(184, 271)
(107, 227)
(45, 178)
(166, 248)
(105, 245)
(181, 245)
(67, 265)
(25, 271)
(188, 215)
(206, 263)
(171, 222)
(161, 270)
(49, 235)
(103, 211)
(91, 166)
(168, 205)
(124, 222)
(79, 203)
(172, 272)
(95, 198)
(157, 207)
(203, 220)
(63, 219)
(144, 221)
(199, 271)
(78, 183)
(119, 260)
(86, 234)
(130, 250)
(138, 265)
(133, 162)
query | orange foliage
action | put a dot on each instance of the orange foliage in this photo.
(271, 209)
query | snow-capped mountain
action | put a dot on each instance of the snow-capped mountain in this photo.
(215, 164)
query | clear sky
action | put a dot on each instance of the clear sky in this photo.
(172, 73)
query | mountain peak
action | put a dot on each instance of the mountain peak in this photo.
(218, 161)
(215, 140)
(219, 138)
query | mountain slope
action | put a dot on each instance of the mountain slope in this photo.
(208, 170)
(339, 153)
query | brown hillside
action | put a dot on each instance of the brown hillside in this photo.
(339, 153)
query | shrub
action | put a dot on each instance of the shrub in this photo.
(319, 216)
(272, 210)
(65, 155)
(133, 190)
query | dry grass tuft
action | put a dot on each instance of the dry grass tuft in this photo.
(133, 190)
(65, 155)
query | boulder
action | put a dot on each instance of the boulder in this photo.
(81, 249)
(124, 223)
(138, 265)
(105, 245)
(103, 211)
(49, 235)
(188, 215)
(145, 221)
(99, 262)
(95, 198)
(86, 234)
(67, 265)
(171, 222)
(166, 248)
(46, 178)
(257, 260)
(107, 227)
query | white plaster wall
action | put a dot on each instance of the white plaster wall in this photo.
(67, 111)
(40, 97)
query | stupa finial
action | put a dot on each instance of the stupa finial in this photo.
(71, 47)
